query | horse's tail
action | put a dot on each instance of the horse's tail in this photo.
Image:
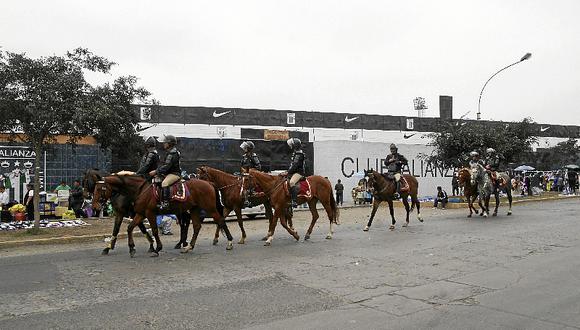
(334, 208)
(218, 201)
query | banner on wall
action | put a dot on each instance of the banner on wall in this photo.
(17, 168)
(347, 160)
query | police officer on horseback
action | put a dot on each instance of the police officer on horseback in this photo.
(297, 170)
(394, 163)
(249, 160)
(475, 159)
(170, 169)
(150, 160)
(492, 163)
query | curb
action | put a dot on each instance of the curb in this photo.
(101, 237)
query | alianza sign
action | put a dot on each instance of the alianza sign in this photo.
(15, 152)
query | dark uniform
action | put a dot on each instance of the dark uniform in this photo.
(492, 164)
(170, 169)
(394, 163)
(297, 170)
(250, 160)
(149, 162)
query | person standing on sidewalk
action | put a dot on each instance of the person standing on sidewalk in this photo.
(455, 185)
(339, 192)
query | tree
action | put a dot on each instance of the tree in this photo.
(455, 140)
(49, 96)
(558, 156)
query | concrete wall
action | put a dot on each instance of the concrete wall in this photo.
(346, 160)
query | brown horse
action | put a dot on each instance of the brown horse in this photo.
(469, 190)
(274, 189)
(122, 205)
(384, 190)
(231, 188)
(202, 195)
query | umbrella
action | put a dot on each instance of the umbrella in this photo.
(572, 167)
(524, 168)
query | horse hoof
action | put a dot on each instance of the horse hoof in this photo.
(509, 213)
(177, 246)
(469, 215)
(241, 241)
(328, 236)
(132, 253)
(306, 237)
(485, 215)
(265, 238)
(267, 243)
(494, 214)
(105, 252)
(186, 249)
(405, 224)
(366, 228)
(420, 219)
(392, 227)
(230, 245)
(154, 254)
(297, 237)
(151, 249)
(215, 241)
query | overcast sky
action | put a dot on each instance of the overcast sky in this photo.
(340, 56)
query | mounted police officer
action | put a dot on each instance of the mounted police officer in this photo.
(394, 163)
(249, 160)
(475, 159)
(170, 169)
(150, 160)
(297, 169)
(492, 163)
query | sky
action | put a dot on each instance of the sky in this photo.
(370, 57)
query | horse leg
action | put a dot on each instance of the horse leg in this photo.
(116, 228)
(330, 214)
(269, 215)
(418, 206)
(376, 204)
(486, 205)
(406, 204)
(470, 206)
(238, 212)
(217, 228)
(509, 196)
(184, 222)
(288, 229)
(273, 223)
(392, 211)
(220, 220)
(315, 216)
(137, 219)
(143, 229)
(496, 194)
(153, 223)
(196, 224)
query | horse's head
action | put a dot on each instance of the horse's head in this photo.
(477, 172)
(463, 176)
(90, 179)
(101, 194)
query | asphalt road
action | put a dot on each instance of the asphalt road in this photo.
(517, 272)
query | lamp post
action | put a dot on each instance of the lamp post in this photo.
(525, 57)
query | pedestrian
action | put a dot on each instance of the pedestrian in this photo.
(29, 202)
(76, 199)
(339, 192)
(528, 185)
(61, 186)
(4, 203)
(455, 185)
(440, 198)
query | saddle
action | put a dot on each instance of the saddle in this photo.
(391, 177)
(304, 190)
(179, 191)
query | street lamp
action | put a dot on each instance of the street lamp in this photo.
(525, 57)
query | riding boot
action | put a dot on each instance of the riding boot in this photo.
(294, 193)
(165, 196)
(397, 193)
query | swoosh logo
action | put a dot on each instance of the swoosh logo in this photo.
(543, 129)
(217, 115)
(405, 136)
(348, 120)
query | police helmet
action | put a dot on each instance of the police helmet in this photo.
(294, 143)
(150, 142)
(169, 139)
(490, 150)
(247, 146)
(393, 146)
(474, 154)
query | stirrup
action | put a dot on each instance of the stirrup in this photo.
(396, 195)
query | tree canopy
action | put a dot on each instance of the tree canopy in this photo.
(455, 140)
(41, 98)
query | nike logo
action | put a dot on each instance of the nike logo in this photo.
(217, 115)
(405, 136)
(543, 129)
(348, 120)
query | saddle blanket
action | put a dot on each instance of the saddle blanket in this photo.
(403, 181)
(179, 191)
(304, 190)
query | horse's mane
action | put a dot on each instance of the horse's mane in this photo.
(219, 172)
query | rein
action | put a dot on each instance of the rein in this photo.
(210, 177)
